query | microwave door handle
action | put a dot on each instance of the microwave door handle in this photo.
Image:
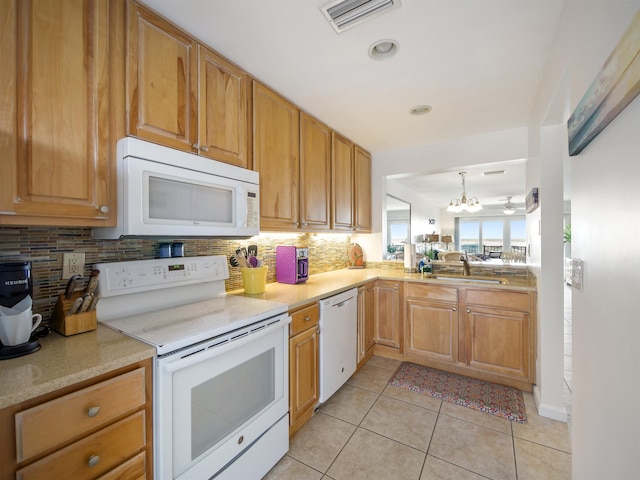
(242, 206)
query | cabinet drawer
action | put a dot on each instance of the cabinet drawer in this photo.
(132, 469)
(496, 298)
(431, 292)
(104, 449)
(57, 422)
(303, 319)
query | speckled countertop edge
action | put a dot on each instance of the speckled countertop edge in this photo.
(64, 361)
(326, 284)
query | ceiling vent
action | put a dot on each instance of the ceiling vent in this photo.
(344, 14)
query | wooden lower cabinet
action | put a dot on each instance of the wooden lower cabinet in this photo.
(478, 332)
(498, 333)
(431, 313)
(366, 311)
(387, 319)
(304, 342)
(99, 429)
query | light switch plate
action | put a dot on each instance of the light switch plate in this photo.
(576, 273)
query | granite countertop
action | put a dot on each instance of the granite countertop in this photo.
(323, 285)
(63, 361)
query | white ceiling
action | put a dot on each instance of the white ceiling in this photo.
(478, 63)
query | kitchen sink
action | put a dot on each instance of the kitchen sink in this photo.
(460, 278)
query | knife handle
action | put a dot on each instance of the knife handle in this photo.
(86, 301)
(76, 306)
(93, 282)
(71, 286)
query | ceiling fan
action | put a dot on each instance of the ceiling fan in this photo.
(508, 208)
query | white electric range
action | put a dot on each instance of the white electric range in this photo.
(221, 373)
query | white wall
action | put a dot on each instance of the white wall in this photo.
(606, 422)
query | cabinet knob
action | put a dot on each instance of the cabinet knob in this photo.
(105, 209)
(307, 318)
(297, 224)
(196, 146)
(455, 309)
(93, 411)
(93, 460)
(468, 310)
(396, 287)
(204, 148)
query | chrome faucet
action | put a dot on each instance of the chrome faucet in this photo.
(465, 265)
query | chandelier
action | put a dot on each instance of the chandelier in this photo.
(464, 205)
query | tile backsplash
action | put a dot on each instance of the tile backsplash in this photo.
(44, 246)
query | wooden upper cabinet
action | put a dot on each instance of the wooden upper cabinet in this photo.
(223, 110)
(275, 156)
(362, 169)
(342, 198)
(315, 173)
(62, 97)
(162, 81)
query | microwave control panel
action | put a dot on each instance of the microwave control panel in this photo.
(253, 210)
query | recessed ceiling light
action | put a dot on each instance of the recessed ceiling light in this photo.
(383, 49)
(420, 110)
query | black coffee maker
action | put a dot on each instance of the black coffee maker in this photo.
(15, 285)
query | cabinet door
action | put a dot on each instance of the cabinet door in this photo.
(223, 105)
(365, 322)
(497, 341)
(275, 155)
(59, 86)
(342, 183)
(161, 81)
(432, 330)
(315, 173)
(303, 377)
(362, 168)
(387, 317)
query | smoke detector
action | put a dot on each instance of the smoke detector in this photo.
(344, 14)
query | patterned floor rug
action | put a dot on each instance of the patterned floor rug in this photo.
(491, 398)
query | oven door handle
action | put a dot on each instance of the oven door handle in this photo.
(211, 352)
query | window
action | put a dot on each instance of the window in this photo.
(487, 235)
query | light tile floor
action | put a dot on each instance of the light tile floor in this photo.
(372, 431)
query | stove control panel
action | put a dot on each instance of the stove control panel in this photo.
(120, 278)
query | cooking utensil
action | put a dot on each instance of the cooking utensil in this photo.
(252, 250)
(241, 260)
(253, 261)
(233, 261)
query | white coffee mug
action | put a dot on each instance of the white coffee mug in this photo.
(16, 329)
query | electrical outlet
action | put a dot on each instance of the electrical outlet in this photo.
(72, 264)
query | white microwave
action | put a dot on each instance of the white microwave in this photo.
(167, 193)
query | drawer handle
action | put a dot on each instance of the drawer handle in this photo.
(93, 411)
(307, 318)
(93, 460)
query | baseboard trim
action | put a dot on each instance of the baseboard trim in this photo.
(550, 411)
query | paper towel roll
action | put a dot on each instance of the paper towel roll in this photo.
(410, 255)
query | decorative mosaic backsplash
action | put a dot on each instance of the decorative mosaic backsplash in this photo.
(44, 246)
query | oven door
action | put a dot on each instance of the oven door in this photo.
(213, 403)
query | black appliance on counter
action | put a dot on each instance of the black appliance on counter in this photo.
(15, 285)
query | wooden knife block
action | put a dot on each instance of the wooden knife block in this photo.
(67, 324)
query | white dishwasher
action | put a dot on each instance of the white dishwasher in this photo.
(338, 341)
